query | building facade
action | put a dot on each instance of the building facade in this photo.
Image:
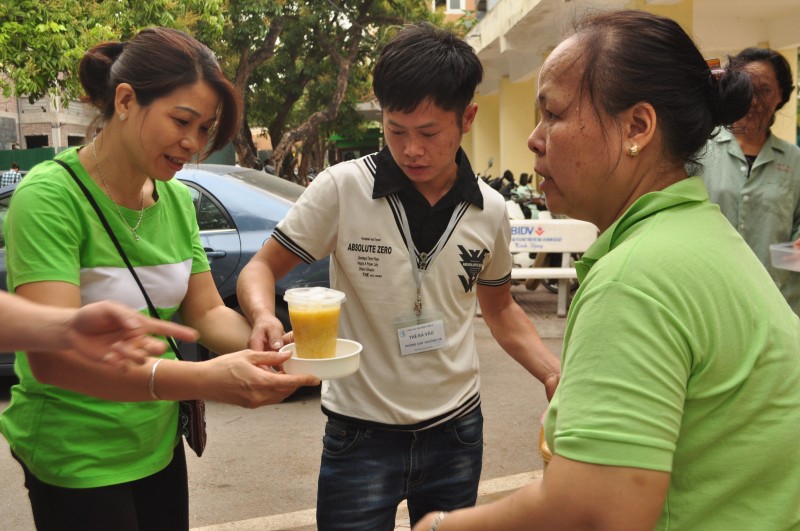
(44, 123)
(514, 37)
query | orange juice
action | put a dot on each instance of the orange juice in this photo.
(315, 331)
(314, 314)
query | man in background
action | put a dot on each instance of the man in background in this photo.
(11, 176)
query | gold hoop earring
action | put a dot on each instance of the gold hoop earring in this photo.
(633, 150)
(122, 117)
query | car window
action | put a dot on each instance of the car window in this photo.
(4, 202)
(209, 215)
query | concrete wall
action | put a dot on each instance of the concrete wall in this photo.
(483, 142)
(517, 114)
(786, 119)
(44, 117)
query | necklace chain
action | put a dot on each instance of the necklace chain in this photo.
(105, 185)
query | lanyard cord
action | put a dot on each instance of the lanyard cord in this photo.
(420, 267)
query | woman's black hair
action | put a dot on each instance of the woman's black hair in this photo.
(633, 56)
(779, 64)
(156, 62)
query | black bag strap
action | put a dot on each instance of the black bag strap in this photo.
(104, 221)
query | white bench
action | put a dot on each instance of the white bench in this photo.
(565, 236)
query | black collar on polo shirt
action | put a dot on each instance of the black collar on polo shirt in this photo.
(390, 179)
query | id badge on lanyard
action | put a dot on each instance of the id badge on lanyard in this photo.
(420, 333)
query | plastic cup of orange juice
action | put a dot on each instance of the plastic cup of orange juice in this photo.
(314, 314)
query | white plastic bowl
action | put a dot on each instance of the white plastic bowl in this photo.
(785, 256)
(345, 362)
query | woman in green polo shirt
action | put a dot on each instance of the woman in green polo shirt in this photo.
(679, 401)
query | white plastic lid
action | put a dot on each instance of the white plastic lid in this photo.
(313, 296)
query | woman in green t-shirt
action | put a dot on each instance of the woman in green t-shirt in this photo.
(99, 447)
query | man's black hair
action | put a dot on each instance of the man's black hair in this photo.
(425, 62)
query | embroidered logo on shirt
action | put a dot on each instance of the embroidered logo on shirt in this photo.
(472, 262)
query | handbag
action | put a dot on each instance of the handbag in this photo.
(192, 424)
(191, 413)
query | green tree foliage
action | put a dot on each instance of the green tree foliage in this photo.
(42, 41)
(301, 66)
(304, 65)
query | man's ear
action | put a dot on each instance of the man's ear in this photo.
(468, 117)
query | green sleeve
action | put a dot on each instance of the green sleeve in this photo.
(626, 364)
(43, 230)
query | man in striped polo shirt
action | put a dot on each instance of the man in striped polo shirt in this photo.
(415, 241)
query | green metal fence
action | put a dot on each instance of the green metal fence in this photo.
(25, 158)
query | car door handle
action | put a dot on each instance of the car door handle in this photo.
(211, 253)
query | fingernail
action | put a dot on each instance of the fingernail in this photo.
(276, 345)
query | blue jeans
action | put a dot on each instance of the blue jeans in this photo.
(366, 473)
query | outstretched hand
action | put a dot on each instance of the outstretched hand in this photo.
(113, 333)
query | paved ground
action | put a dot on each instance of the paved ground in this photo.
(541, 306)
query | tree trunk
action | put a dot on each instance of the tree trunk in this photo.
(313, 122)
(246, 151)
